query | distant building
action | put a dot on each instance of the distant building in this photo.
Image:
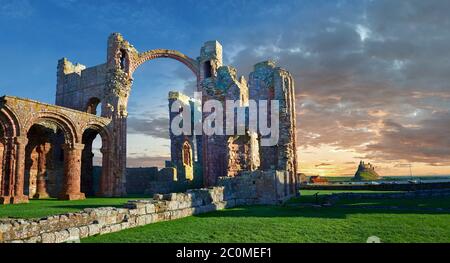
(302, 178)
(365, 172)
(316, 179)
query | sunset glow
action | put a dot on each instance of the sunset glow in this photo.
(371, 77)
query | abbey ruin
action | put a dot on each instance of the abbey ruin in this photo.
(46, 150)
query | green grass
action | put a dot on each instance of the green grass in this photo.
(367, 176)
(46, 207)
(308, 196)
(336, 179)
(288, 223)
(296, 224)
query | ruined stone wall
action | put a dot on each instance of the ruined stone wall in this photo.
(227, 154)
(139, 179)
(257, 187)
(76, 84)
(71, 227)
(149, 181)
(110, 84)
(20, 116)
(268, 82)
(183, 148)
(241, 155)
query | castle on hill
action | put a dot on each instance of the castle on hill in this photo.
(365, 172)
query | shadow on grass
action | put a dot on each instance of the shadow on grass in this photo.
(310, 212)
(91, 198)
(81, 207)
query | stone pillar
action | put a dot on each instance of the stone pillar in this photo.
(121, 179)
(2, 150)
(72, 172)
(41, 185)
(105, 188)
(87, 169)
(6, 186)
(19, 197)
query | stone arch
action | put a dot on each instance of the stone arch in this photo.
(61, 121)
(9, 129)
(192, 64)
(187, 153)
(37, 178)
(104, 183)
(98, 127)
(92, 105)
(9, 123)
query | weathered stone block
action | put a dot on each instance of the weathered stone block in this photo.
(61, 236)
(116, 228)
(48, 238)
(150, 208)
(94, 229)
(74, 233)
(84, 231)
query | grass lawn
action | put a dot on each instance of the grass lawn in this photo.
(308, 196)
(295, 224)
(46, 207)
(288, 223)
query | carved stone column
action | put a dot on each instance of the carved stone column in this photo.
(19, 197)
(72, 172)
(41, 185)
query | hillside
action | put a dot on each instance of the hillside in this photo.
(366, 172)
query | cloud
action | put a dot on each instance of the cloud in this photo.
(322, 165)
(376, 94)
(371, 77)
(156, 127)
(16, 9)
(426, 142)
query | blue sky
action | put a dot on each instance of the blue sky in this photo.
(371, 76)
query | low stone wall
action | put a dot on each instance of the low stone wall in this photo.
(257, 187)
(71, 227)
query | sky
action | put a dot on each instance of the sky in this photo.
(372, 77)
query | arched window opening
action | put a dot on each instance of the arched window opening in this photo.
(151, 146)
(207, 69)
(91, 162)
(123, 56)
(44, 161)
(187, 154)
(94, 106)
